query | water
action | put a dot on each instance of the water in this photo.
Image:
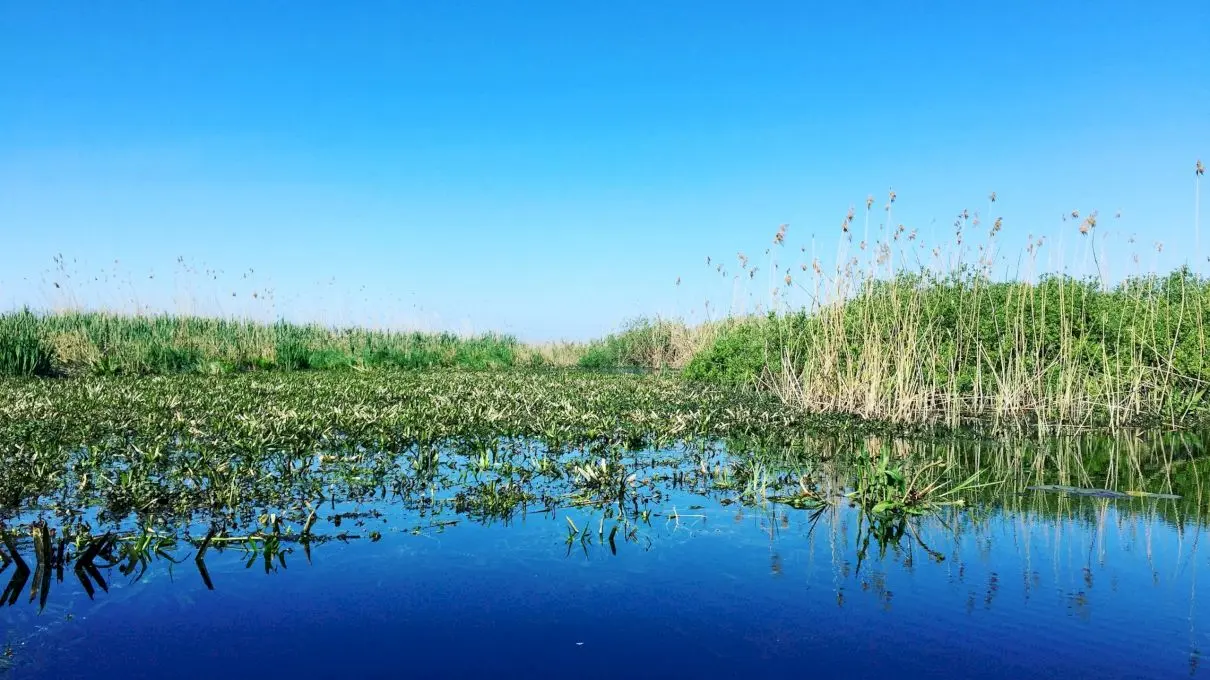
(699, 581)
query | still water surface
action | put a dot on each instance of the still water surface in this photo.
(1018, 585)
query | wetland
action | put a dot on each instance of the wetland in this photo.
(450, 523)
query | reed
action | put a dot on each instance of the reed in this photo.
(98, 343)
(946, 341)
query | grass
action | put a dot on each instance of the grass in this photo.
(959, 348)
(652, 344)
(94, 343)
(905, 333)
(98, 343)
(894, 332)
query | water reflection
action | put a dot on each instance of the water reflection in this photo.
(688, 524)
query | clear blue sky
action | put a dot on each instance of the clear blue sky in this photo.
(549, 169)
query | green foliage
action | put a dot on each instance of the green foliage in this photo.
(743, 355)
(106, 344)
(642, 343)
(1062, 349)
(601, 355)
(23, 352)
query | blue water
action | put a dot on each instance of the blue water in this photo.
(1082, 589)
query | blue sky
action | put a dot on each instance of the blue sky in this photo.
(550, 169)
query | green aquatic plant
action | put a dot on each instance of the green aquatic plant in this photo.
(887, 488)
(603, 481)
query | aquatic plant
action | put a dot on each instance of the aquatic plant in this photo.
(886, 488)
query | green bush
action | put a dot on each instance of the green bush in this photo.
(742, 355)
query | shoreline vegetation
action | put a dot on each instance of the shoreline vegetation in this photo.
(895, 331)
(917, 349)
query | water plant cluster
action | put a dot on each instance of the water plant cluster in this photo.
(117, 473)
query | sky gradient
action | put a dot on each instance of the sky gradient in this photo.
(551, 169)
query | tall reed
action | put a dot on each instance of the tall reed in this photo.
(949, 342)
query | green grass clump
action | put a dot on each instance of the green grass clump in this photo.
(652, 344)
(93, 343)
(23, 352)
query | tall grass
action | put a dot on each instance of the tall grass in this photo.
(23, 352)
(651, 344)
(948, 342)
(73, 343)
(959, 347)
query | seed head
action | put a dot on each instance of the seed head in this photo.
(788, 279)
(1199, 168)
(869, 201)
(1089, 223)
(1075, 214)
(678, 280)
(892, 195)
(992, 197)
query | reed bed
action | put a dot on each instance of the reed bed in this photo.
(909, 334)
(651, 344)
(97, 343)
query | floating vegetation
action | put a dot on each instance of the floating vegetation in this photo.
(105, 477)
(887, 488)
